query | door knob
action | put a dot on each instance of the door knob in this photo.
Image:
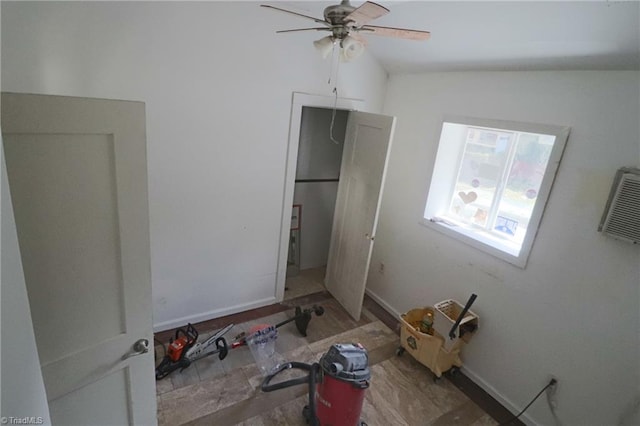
(140, 347)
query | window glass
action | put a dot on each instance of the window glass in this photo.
(521, 191)
(481, 169)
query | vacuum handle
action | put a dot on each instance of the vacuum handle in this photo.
(266, 387)
(452, 332)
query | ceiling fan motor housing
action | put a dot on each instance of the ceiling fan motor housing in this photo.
(335, 16)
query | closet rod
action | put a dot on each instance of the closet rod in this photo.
(316, 180)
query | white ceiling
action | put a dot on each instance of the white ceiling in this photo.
(507, 35)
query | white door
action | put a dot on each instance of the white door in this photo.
(364, 164)
(78, 181)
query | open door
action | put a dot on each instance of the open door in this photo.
(78, 181)
(364, 164)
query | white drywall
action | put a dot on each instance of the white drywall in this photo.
(217, 82)
(22, 388)
(574, 311)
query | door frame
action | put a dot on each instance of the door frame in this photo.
(298, 101)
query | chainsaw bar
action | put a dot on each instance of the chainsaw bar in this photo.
(202, 350)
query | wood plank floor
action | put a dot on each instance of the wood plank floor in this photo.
(402, 391)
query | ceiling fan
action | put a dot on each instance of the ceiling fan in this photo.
(346, 23)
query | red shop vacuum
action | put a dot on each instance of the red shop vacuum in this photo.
(337, 385)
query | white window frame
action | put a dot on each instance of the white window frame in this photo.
(444, 177)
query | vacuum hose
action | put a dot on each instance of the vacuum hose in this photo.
(266, 387)
(313, 375)
(311, 379)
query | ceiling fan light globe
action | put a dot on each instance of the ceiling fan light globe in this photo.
(351, 49)
(324, 46)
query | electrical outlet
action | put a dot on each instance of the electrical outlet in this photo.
(552, 391)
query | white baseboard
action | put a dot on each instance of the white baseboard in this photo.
(216, 313)
(387, 307)
(508, 404)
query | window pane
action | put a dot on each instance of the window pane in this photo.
(525, 177)
(481, 170)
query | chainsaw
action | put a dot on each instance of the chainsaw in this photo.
(185, 349)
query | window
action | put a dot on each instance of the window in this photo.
(491, 181)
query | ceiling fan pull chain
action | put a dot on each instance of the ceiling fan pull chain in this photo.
(333, 116)
(335, 66)
(335, 63)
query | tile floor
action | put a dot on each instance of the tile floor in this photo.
(227, 392)
(307, 281)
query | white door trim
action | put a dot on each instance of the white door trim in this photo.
(299, 100)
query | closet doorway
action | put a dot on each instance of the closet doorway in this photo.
(311, 184)
(367, 141)
(320, 148)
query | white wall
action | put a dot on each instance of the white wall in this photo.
(218, 83)
(574, 312)
(22, 387)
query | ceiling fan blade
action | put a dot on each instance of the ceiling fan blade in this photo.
(395, 32)
(319, 21)
(304, 29)
(367, 12)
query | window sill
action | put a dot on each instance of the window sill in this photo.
(480, 240)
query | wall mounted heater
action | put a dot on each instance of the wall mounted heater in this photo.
(621, 218)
